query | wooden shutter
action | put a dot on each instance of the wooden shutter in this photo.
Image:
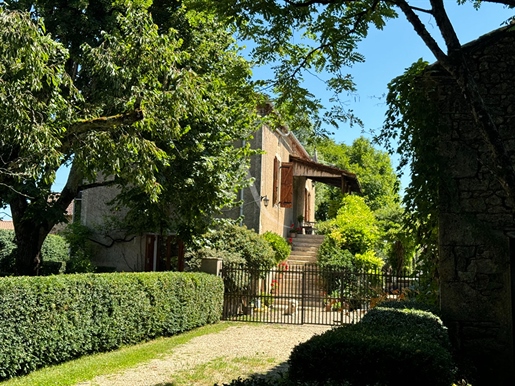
(275, 188)
(287, 185)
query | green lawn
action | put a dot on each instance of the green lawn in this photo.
(89, 367)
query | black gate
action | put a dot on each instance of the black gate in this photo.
(307, 294)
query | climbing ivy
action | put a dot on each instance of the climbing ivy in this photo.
(411, 130)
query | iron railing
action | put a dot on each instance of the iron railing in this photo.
(308, 294)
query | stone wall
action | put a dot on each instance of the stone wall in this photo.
(475, 219)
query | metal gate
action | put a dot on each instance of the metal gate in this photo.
(306, 294)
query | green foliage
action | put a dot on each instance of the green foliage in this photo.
(280, 246)
(332, 256)
(378, 180)
(245, 243)
(194, 257)
(368, 261)
(54, 252)
(398, 242)
(401, 321)
(409, 130)
(368, 354)
(304, 37)
(55, 249)
(106, 88)
(355, 229)
(77, 236)
(7, 248)
(48, 320)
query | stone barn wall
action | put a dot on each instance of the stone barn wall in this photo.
(475, 219)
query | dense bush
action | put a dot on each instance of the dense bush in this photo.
(354, 228)
(55, 248)
(281, 248)
(194, 257)
(411, 304)
(77, 236)
(390, 346)
(47, 320)
(54, 252)
(362, 355)
(7, 247)
(243, 242)
(403, 321)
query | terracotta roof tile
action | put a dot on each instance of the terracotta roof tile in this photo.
(6, 225)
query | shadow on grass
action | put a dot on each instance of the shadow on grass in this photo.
(273, 376)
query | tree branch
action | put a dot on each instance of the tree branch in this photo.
(97, 185)
(444, 24)
(113, 241)
(510, 3)
(421, 30)
(309, 2)
(359, 18)
(456, 65)
(429, 11)
(98, 124)
(105, 123)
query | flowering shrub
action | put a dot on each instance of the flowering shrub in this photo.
(282, 266)
(295, 230)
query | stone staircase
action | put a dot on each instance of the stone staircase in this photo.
(304, 249)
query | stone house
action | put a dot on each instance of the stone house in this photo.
(283, 189)
(476, 222)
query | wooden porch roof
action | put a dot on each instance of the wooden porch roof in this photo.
(346, 181)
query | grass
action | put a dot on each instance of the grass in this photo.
(89, 367)
(222, 370)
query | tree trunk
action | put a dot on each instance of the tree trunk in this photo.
(32, 229)
(29, 240)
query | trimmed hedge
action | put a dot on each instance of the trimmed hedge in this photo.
(388, 347)
(48, 320)
(398, 321)
(360, 356)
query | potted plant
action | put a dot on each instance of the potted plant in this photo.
(293, 230)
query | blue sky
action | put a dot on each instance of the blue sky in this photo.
(388, 53)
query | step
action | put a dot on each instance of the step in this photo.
(302, 256)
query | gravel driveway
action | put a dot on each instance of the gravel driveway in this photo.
(245, 340)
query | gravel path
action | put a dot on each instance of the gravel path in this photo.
(246, 340)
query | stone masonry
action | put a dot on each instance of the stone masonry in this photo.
(476, 223)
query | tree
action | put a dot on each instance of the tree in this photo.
(380, 186)
(354, 229)
(304, 35)
(373, 167)
(108, 90)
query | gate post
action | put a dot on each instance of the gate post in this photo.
(211, 265)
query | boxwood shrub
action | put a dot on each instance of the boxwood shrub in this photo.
(402, 321)
(48, 320)
(388, 347)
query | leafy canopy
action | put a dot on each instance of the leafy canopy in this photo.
(373, 167)
(152, 104)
